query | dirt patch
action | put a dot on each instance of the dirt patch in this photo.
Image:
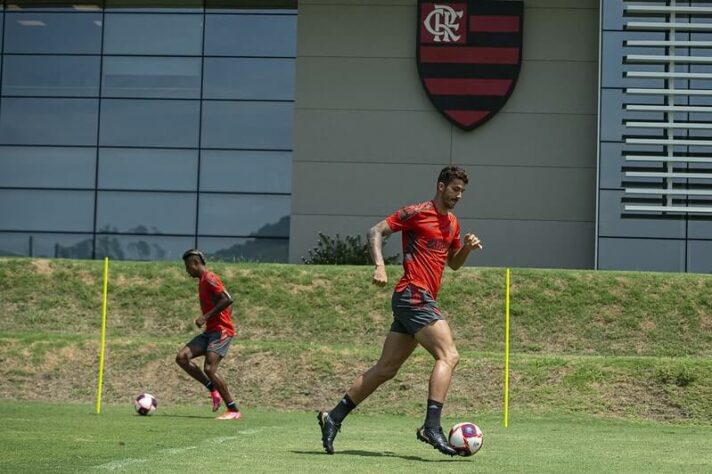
(43, 266)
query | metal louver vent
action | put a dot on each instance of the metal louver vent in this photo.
(668, 125)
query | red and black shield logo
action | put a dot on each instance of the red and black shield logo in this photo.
(469, 55)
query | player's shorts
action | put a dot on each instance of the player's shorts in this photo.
(413, 309)
(212, 342)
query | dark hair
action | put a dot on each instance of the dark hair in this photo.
(194, 253)
(450, 173)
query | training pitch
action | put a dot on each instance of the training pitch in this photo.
(42, 437)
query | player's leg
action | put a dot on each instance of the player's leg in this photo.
(217, 350)
(437, 339)
(396, 349)
(195, 348)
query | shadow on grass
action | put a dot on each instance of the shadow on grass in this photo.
(377, 454)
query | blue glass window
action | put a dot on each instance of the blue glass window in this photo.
(59, 33)
(148, 169)
(145, 212)
(159, 123)
(47, 167)
(166, 34)
(250, 125)
(249, 78)
(45, 210)
(51, 75)
(169, 78)
(48, 121)
(246, 171)
(251, 35)
(244, 215)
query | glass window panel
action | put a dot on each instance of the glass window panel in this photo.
(44, 167)
(240, 250)
(46, 245)
(244, 215)
(56, 5)
(256, 125)
(170, 34)
(145, 213)
(650, 255)
(249, 78)
(159, 123)
(251, 35)
(130, 247)
(246, 171)
(60, 211)
(155, 5)
(14, 244)
(177, 78)
(48, 121)
(131, 168)
(75, 33)
(62, 245)
(51, 75)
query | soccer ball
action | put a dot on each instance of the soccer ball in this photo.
(466, 438)
(145, 404)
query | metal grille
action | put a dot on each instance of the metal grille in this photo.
(668, 129)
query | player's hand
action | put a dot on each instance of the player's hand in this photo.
(200, 321)
(473, 242)
(379, 276)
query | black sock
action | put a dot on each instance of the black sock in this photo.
(231, 406)
(209, 386)
(342, 409)
(432, 418)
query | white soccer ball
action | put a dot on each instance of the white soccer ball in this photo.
(466, 438)
(145, 404)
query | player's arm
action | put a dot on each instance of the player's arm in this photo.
(224, 300)
(457, 258)
(375, 246)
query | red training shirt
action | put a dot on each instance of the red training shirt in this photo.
(428, 237)
(210, 287)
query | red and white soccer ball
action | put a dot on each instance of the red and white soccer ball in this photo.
(466, 438)
(145, 404)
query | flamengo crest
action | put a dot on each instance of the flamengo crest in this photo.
(469, 53)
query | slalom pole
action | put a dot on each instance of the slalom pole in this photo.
(103, 336)
(506, 351)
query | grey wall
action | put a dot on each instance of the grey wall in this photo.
(367, 140)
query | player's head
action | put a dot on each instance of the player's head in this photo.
(194, 261)
(451, 185)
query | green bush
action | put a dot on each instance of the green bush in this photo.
(349, 251)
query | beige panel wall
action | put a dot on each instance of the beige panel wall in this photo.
(367, 139)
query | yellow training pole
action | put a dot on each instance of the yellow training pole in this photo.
(103, 336)
(506, 351)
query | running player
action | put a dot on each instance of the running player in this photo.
(216, 306)
(431, 238)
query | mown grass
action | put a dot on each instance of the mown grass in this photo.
(563, 312)
(632, 345)
(42, 437)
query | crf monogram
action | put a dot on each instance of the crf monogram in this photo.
(442, 23)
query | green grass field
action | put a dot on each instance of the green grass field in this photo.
(42, 437)
(609, 371)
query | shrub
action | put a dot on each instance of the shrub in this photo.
(349, 251)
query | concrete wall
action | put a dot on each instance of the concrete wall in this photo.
(367, 140)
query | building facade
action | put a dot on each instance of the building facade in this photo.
(136, 130)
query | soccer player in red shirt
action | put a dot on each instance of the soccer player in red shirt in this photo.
(213, 343)
(431, 238)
